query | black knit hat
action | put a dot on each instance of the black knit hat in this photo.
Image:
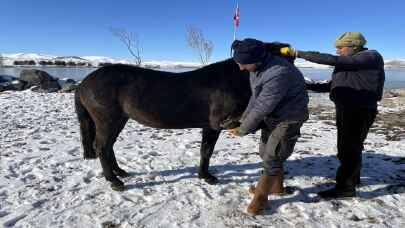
(248, 51)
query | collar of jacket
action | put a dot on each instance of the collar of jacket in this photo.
(264, 65)
(355, 51)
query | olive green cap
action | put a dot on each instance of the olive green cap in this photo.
(350, 39)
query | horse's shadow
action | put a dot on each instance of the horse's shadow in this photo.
(225, 174)
(378, 169)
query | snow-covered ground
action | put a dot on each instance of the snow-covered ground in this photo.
(44, 182)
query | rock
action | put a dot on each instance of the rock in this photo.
(68, 88)
(16, 85)
(7, 78)
(68, 85)
(41, 80)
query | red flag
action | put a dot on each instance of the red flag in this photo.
(236, 17)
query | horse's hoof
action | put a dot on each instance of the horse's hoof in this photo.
(121, 173)
(210, 179)
(117, 187)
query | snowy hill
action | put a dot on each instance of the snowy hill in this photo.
(399, 63)
(95, 61)
(92, 61)
(305, 64)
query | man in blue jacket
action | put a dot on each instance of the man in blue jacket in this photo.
(356, 87)
(279, 99)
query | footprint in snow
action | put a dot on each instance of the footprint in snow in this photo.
(73, 151)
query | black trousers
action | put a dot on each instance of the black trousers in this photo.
(353, 124)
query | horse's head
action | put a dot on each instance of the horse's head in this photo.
(274, 49)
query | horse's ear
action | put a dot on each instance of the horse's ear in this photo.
(274, 49)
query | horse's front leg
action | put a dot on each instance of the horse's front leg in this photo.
(209, 138)
(104, 149)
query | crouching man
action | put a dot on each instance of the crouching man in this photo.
(279, 99)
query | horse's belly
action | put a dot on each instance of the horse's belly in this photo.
(169, 120)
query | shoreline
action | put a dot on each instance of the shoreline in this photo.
(395, 77)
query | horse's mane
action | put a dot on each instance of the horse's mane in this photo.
(273, 48)
(228, 64)
(223, 63)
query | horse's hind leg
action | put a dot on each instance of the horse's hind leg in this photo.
(209, 138)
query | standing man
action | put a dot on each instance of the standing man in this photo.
(356, 86)
(279, 99)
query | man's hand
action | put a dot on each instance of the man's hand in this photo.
(237, 132)
(288, 51)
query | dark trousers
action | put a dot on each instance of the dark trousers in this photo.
(353, 124)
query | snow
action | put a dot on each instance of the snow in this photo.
(310, 80)
(95, 60)
(45, 182)
(28, 56)
(306, 64)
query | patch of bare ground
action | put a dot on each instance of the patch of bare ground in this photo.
(390, 121)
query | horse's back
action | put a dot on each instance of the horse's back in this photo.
(154, 98)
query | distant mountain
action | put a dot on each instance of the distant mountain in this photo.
(306, 64)
(20, 59)
(399, 63)
(23, 59)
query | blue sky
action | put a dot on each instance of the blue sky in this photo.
(79, 27)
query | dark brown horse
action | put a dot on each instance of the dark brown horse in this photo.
(212, 98)
(207, 98)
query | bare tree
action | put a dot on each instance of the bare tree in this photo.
(131, 41)
(196, 40)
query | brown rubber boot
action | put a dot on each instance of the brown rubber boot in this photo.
(260, 198)
(277, 187)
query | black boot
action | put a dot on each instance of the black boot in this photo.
(337, 192)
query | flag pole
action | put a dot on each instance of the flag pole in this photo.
(236, 20)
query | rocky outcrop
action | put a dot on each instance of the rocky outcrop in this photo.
(7, 78)
(11, 83)
(68, 85)
(41, 80)
(38, 81)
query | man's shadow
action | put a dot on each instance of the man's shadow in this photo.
(378, 169)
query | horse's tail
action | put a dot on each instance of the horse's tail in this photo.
(87, 128)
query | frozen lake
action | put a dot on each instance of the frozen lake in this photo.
(395, 78)
(76, 73)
